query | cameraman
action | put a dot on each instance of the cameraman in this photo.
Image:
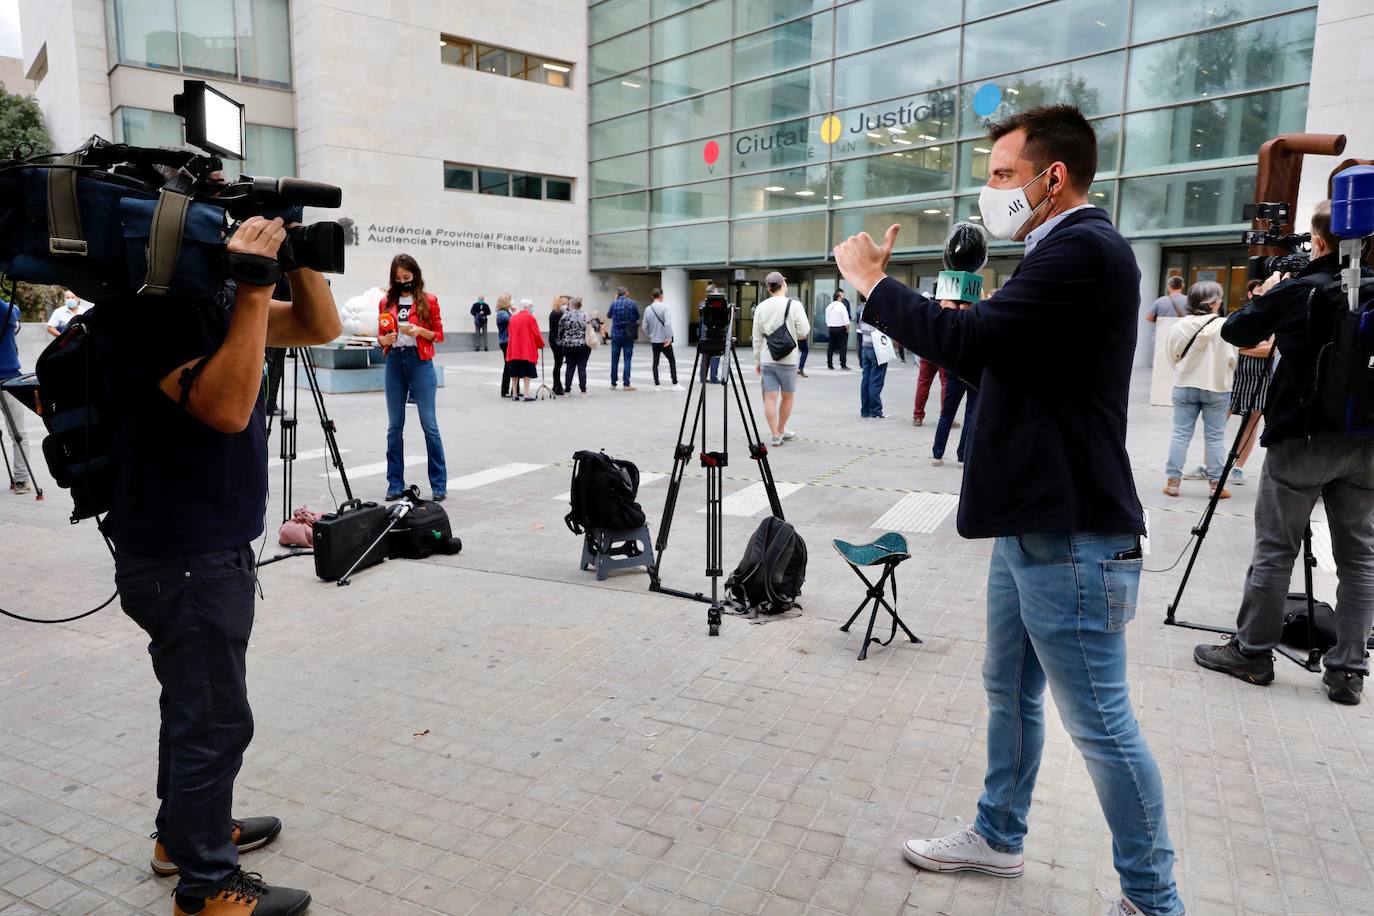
(1048, 476)
(1305, 458)
(189, 443)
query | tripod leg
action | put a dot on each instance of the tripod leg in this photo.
(681, 453)
(757, 450)
(8, 470)
(1309, 562)
(1200, 532)
(363, 556)
(330, 433)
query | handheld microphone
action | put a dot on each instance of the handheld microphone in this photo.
(966, 253)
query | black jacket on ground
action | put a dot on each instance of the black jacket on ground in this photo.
(1298, 333)
(1050, 354)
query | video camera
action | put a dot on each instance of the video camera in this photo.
(111, 221)
(717, 324)
(1299, 247)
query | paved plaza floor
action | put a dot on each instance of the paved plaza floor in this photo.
(499, 733)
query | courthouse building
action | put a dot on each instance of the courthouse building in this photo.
(542, 146)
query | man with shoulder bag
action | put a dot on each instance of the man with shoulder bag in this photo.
(189, 441)
(1307, 456)
(779, 324)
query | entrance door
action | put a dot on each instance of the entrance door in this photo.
(745, 295)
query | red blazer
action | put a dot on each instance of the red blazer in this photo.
(525, 339)
(436, 324)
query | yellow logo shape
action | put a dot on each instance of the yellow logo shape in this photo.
(830, 129)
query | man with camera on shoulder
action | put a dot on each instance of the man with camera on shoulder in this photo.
(190, 446)
(1306, 457)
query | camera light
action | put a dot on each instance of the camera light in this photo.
(223, 123)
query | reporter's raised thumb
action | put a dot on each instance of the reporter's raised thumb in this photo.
(890, 237)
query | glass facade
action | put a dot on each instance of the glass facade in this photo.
(762, 131)
(271, 151)
(247, 40)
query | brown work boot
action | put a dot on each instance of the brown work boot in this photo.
(1171, 486)
(248, 834)
(244, 894)
(1225, 493)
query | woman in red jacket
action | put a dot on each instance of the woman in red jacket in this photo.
(410, 316)
(522, 350)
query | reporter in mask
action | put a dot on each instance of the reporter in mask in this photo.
(1048, 476)
(410, 371)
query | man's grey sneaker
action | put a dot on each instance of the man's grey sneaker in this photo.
(248, 834)
(1343, 687)
(964, 850)
(1229, 659)
(1237, 477)
(1197, 473)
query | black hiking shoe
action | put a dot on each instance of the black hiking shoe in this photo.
(244, 894)
(1343, 687)
(1229, 659)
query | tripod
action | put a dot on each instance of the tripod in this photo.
(16, 433)
(302, 362)
(1312, 660)
(715, 463)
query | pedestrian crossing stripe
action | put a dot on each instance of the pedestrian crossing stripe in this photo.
(372, 470)
(753, 499)
(918, 513)
(492, 475)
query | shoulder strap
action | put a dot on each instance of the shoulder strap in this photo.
(64, 217)
(1193, 339)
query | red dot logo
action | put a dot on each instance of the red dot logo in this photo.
(711, 152)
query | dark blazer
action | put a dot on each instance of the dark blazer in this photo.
(1050, 354)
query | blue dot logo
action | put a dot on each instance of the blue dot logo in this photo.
(986, 100)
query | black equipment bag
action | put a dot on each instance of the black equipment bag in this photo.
(780, 340)
(603, 494)
(1295, 629)
(769, 576)
(78, 447)
(341, 537)
(422, 532)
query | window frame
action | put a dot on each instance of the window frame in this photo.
(536, 69)
(512, 174)
(114, 58)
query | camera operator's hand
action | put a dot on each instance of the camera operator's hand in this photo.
(258, 236)
(1274, 280)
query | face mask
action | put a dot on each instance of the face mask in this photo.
(1006, 210)
(71, 303)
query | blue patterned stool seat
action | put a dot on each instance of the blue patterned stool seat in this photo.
(888, 551)
(889, 548)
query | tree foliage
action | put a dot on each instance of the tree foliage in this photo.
(22, 133)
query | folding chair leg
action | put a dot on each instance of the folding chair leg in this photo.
(854, 616)
(868, 636)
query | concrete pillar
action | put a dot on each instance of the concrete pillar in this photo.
(1148, 258)
(1340, 95)
(676, 291)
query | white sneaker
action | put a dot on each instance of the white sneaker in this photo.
(777, 440)
(1123, 907)
(962, 851)
(1197, 473)
(789, 436)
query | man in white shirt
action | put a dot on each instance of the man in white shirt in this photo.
(837, 331)
(783, 314)
(64, 313)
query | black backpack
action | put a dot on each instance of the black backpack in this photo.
(603, 494)
(1297, 633)
(422, 532)
(1342, 386)
(769, 577)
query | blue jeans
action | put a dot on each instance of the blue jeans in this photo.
(871, 384)
(407, 373)
(1212, 405)
(621, 348)
(1058, 605)
(954, 391)
(804, 345)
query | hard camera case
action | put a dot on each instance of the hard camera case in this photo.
(342, 536)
